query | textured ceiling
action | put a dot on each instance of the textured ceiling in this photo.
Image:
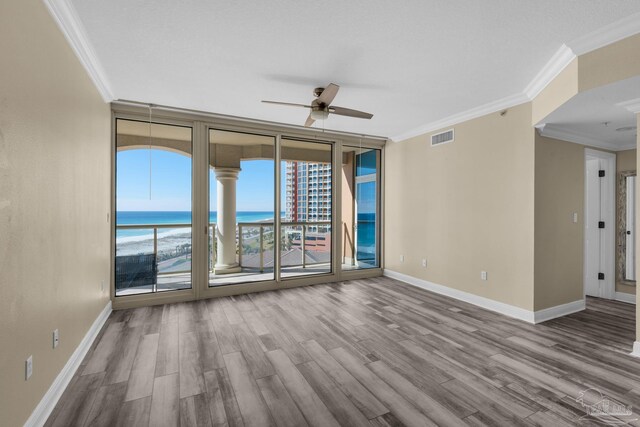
(598, 117)
(409, 63)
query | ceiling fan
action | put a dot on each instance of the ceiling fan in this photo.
(321, 106)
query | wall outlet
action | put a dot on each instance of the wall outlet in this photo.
(56, 338)
(28, 368)
(108, 217)
(102, 285)
(483, 275)
(401, 258)
(575, 217)
(424, 262)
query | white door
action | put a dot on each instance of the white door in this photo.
(599, 224)
(592, 233)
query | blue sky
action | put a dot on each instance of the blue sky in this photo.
(171, 183)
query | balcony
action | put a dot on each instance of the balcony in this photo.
(162, 256)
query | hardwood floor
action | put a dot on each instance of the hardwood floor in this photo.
(373, 352)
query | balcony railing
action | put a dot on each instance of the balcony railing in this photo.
(264, 231)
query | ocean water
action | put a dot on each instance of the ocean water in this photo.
(176, 217)
(141, 240)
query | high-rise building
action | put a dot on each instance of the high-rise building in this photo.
(308, 191)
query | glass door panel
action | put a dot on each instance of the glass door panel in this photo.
(306, 194)
(153, 207)
(241, 207)
(360, 208)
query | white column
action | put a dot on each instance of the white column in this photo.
(226, 221)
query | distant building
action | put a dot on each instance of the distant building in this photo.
(308, 192)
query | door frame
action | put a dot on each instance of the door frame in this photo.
(608, 215)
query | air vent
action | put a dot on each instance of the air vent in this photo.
(442, 138)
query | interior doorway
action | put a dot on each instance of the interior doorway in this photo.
(599, 224)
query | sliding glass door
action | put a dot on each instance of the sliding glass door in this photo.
(306, 231)
(153, 238)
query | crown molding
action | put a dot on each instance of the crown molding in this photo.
(474, 113)
(551, 131)
(558, 62)
(606, 35)
(632, 105)
(69, 23)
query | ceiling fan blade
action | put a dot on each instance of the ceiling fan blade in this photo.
(309, 121)
(327, 95)
(341, 111)
(291, 104)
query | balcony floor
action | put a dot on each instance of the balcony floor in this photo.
(176, 281)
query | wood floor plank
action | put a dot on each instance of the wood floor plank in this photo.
(229, 401)
(312, 407)
(105, 349)
(165, 401)
(194, 411)
(76, 405)
(253, 352)
(119, 366)
(167, 359)
(208, 346)
(343, 410)
(399, 406)
(134, 412)
(140, 382)
(356, 392)
(215, 399)
(106, 405)
(252, 407)
(191, 375)
(283, 409)
(433, 409)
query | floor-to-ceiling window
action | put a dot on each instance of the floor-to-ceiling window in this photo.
(209, 209)
(153, 238)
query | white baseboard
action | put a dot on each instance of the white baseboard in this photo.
(489, 304)
(625, 297)
(636, 349)
(559, 311)
(43, 410)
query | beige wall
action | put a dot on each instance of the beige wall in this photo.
(559, 247)
(54, 199)
(625, 161)
(466, 206)
(609, 64)
(560, 90)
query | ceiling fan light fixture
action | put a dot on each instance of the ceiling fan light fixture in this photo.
(319, 114)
